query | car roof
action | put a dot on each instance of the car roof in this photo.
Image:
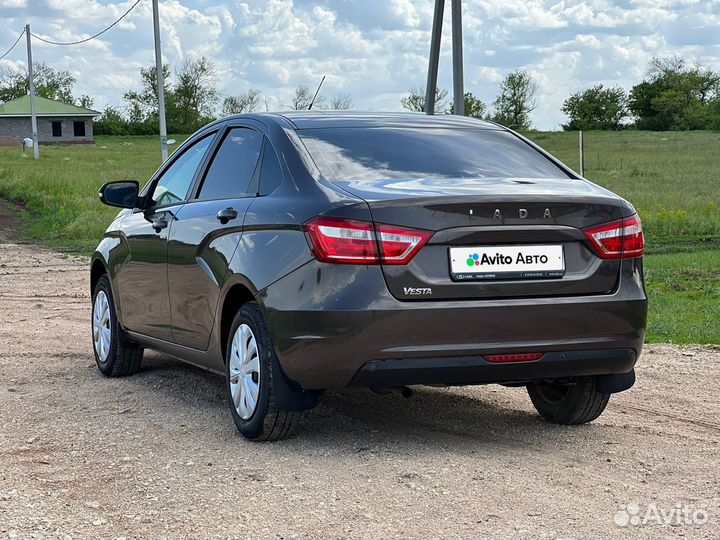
(344, 119)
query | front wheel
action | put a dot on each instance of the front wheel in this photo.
(115, 354)
(577, 402)
(250, 379)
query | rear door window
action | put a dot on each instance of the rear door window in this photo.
(232, 169)
(351, 154)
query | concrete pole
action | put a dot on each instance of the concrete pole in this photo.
(160, 82)
(581, 144)
(31, 84)
(457, 53)
(435, 39)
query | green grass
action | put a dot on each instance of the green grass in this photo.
(672, 178)
(60, 190)
(684, 296)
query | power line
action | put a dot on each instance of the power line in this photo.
(91, 37)
(14, 44)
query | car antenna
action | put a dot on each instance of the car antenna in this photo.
(316, 92)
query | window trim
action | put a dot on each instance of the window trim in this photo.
(194, 193)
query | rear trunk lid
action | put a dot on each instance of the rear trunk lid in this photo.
(482, 223)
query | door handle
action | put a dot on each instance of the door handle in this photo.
(159, 224)
(226, 215)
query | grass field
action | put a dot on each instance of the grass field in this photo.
(672, 178)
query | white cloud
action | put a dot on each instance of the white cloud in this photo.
(373, 49)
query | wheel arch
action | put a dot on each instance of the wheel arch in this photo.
(289, 395)
(237, 294)
(98, 268)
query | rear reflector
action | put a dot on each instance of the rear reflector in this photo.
(346, 241)
(621, 239)
(500, 358)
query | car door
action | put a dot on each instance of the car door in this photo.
(206, 233)
(142, 277)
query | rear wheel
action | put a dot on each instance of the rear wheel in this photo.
(115, 354)
(577, 402)
(250, 376)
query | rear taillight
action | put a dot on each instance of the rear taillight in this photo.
(399, 245)
(621, 239)
(346, 241)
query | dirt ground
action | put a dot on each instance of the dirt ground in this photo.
(157, 455)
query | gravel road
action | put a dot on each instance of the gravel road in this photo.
(157, 455)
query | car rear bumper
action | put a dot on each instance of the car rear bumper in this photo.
(349, 330)
(477, 370)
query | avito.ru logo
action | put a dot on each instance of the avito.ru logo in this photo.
(681, 514)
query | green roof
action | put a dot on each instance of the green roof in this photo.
(43, 107)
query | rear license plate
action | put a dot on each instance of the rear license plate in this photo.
(507, 262)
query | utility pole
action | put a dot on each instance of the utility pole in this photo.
(31, 82)
(160, 82)
(435, 39)
(457, 57)
(457, 54)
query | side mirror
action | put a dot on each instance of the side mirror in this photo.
(123, 194)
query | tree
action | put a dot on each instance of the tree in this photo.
(85, 101)
(676, 96)
(341, 102)
(194, 94)
(596, 108)
(474, 107)
(516, 100)
(111, 122)
(302, 99)
(247, 102)
(49, 83)
(415, 100)
(143, 105)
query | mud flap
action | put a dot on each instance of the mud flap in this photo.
(617, 382)
(287, 397)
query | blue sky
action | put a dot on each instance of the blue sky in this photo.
(374, 50)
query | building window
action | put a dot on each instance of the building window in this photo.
(57, 129)
(79, 129)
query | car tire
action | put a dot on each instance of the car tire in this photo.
(115, 354)
(250, 357)
(577, 403)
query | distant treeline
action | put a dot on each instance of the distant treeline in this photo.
(673, 96)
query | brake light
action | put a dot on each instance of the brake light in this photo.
(621, 239)
(346, 241)
(501, 358)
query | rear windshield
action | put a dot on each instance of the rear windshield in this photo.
(348, 154)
